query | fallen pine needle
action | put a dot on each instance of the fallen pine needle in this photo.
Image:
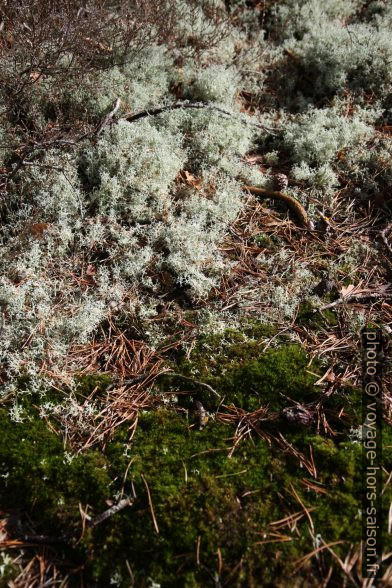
(154, 520)
(303, 506)
(303, 560)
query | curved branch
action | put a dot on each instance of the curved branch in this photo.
(196, 382)
(295, 206)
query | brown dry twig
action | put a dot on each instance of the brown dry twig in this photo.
(383, 294)
(197, 382)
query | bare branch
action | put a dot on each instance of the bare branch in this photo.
(197, 106)
(357, 298)
(188, 379)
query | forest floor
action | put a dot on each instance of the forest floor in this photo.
(195, 233)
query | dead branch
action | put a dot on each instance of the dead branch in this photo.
(356, 298)
(93, 522)
(195, 105)
(41, 540)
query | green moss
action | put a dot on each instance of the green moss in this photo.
(246, 376)
(264, 380)
(205, 503)
(309, 316)
(87, 384)
(38, 475)
(257, 330)
(265, 240)
(199, 496)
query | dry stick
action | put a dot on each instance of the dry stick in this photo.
(107, 118)
(110, 512)
(194, 105)
(42, 539)
(154, 520)
(188, 379)
(384, 234)
(296, 207)
(355, 298)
